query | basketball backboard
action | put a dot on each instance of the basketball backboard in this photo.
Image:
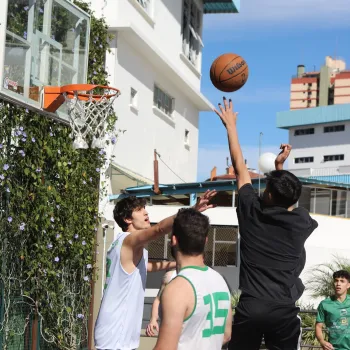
(42, 42)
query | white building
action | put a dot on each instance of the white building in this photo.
(321, 141)
(155, 61)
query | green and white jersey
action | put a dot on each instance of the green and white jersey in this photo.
(204, 329)
(336, 316)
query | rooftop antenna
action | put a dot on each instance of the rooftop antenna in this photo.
(336, 47)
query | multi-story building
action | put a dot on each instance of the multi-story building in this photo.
(156, 60)
(318, 122)
(330, 85)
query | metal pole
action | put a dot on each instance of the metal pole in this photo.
(260, 137)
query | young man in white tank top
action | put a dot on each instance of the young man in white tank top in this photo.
(196, 305)
(119, 321)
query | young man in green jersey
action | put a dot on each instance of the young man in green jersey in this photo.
(334, 313)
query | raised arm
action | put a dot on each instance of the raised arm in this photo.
(283, 155)
(228, 118)
(141, 238)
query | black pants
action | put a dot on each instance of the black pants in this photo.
(279, 325)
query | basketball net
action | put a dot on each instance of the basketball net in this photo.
(88, 113)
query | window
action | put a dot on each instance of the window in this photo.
(133, 97)
(333, 157)
(303, 160)
(300, 132)
(334, 128)
(146, 4)
(187, 137)
(191, 31)
(163, 101)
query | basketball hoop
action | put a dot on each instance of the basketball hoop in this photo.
(88, 107)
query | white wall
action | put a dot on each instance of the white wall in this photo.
(331, 238)
(162, 27)
(146, 129)
(318, 145)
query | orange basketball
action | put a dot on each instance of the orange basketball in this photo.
(229, 72)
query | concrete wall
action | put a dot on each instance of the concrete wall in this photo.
(147, 128)
(161, 25)
(144, 127)
(342, 88)
(331, 238)
(302, 94)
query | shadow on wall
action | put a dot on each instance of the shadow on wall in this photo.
(140, 67)
(175, 8)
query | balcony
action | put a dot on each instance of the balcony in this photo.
(221, 6)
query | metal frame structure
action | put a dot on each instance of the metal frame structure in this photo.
(33, 73)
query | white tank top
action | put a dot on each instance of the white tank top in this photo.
(119, 322)
(204, 329)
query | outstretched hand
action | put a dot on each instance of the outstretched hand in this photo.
(282, 156)
(227, 114)
(203, 202)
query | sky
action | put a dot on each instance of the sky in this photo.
(273, 36)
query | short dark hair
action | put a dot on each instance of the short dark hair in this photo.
(124, 209)
(284, 187)
(342, 274)
(191, 230)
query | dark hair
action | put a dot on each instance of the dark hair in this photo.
(342, 274)
(191, 230)
(124, 209)
(284, 187)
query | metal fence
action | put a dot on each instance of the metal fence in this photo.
(23, 331)
(221, 249)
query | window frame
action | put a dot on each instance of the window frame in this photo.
(299, 132)
(297, 160)
(168, 111)
(191, 30)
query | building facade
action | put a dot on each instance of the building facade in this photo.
(330, 85)
(320, 138)
(155, 60)
(318, 122)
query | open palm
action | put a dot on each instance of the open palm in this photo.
(203, 202)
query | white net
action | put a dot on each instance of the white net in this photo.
(88, 111)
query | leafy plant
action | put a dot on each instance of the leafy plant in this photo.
(49, 195)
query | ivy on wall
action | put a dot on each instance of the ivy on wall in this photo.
(49, 196)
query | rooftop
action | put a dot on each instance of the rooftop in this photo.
(311, 116)
(183, 190)
(221, 6)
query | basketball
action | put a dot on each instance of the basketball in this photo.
(229, 72)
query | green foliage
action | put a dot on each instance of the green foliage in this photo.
(234, 300)
(320, 281)
(49, 196)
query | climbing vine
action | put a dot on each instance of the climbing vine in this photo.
(49, 194)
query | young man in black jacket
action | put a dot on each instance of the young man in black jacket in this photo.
(272, 251)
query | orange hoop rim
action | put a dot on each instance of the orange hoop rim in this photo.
(53, 95)
(74, 89)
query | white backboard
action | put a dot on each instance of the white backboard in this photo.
(42, 42)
